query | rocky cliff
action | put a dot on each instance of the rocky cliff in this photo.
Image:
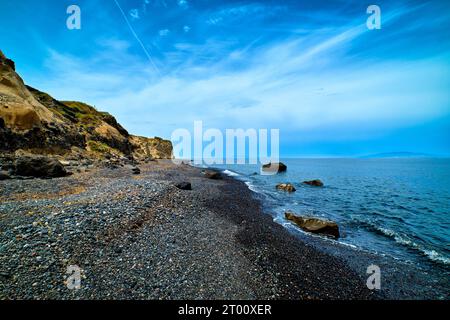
(32, 121)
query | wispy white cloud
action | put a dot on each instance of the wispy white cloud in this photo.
(284, 85)
(164, 32)
(302, 85)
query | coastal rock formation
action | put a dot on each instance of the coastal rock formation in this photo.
(275, 167)
(286, 187)
(19, 109)
(314, 183)
(38, 167)
(150, 148)
(314, 225)
(35, 122)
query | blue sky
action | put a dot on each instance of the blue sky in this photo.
(310, 68)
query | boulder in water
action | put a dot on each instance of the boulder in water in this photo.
(314, 225)
(286, 187)
(275, 167)
(314, 183)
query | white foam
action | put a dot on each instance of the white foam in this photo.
(231, 173)
(251, 186)
(435, 256)
(431, 254)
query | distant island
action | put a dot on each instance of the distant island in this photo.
(397, 155)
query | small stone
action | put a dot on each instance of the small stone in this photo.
(4, 175)
(184, 186)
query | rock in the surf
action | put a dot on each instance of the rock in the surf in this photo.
(275, 167)
(286, 187)
(314, 183)
(314, 225)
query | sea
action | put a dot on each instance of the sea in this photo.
(393, 207)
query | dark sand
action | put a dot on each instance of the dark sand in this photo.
(139, 237)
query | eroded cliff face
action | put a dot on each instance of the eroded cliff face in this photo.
(34, 122)
(19, 109)
(151, 148)
(25, 123)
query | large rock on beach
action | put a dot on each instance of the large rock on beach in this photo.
(314, 225)
(38, 167)
(210, 174)
(184, 186)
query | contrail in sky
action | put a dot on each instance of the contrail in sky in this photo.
(137, 38)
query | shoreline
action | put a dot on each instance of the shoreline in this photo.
(139, 237)
(401, 280)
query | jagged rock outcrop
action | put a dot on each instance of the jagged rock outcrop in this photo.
(25, 123)
(35, 122)
(19, 110)
(150, 148)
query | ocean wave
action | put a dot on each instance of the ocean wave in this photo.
(404, 240)
(231, 173)
(251, 186)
